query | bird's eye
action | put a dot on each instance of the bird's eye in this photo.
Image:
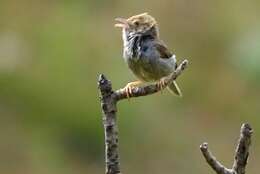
(136, 23)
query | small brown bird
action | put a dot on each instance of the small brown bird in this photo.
(146, 55)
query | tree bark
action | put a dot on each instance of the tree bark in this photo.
(108, 105)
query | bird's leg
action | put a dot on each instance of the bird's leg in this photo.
(162, 84)
(128, 88)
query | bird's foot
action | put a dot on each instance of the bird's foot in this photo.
(162, 83)
(129, 87)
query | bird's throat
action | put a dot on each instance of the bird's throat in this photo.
(133, 41)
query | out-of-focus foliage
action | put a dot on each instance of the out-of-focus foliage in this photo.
(51, 53)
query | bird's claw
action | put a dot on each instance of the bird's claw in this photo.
(128, 90)
(162, 84)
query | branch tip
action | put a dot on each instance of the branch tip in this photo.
(184, 64)
(102, 79)
(104, 84)
(204, 146)
(246, 129)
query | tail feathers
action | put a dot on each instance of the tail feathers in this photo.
(174, 89)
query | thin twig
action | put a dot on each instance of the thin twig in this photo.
(241, 154)
(212, 161)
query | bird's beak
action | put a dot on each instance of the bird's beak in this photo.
(121, 23)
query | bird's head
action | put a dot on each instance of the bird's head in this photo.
(137, 24)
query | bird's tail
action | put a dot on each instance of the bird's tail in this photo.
(174, 89)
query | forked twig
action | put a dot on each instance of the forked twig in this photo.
(241, 154)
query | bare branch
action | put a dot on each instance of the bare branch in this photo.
(152, 88)
(242, 149)
(108, 106)
(241, 154)
(109, 99)
(212, 161)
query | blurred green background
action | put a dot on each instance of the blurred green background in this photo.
(51, 53)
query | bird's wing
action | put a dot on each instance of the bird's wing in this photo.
(163, 50)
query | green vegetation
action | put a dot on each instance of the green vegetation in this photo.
(52, 52)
